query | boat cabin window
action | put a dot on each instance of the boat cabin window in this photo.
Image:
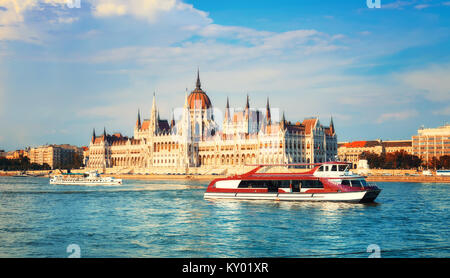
(311, 184)
(356, 183)
(342, 168)
(333, 168)
(345, 182)
(296, 184)
(284, 183)
(270, 184)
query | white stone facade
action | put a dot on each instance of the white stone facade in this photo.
(194, 144)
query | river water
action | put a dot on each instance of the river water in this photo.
(171, 219)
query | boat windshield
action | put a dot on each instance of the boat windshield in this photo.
(354, 183)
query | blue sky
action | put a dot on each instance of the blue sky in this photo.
(381, 73)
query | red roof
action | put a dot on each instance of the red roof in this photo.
(198, 99)
(362, 144)
(145, 125)
(309, 125)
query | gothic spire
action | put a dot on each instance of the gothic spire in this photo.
(247, 109)
(227, 110)
(93, 135)
(332, 126)
(198, 84)
(283, 122)
(138, 122)
(172, 122)
(268, 116)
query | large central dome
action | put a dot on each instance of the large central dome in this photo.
(198, 99)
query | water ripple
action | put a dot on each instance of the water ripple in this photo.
(166, 219)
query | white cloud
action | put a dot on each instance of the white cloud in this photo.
(150, 10)
(14, 10)
(301, 71)
(431, 81)
(396, 116)
(422, 6)
(13, 22)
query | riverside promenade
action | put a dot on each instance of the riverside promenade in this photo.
(371, 178)
(422, 179)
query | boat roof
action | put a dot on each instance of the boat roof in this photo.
(307, 173)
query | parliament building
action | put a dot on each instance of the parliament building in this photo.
(194, 143)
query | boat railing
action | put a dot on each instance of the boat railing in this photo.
(371, 184)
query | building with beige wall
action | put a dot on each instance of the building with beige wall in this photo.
(397, 146)
(14, 154)
(351, 151)
(431, 142)
(56, 156)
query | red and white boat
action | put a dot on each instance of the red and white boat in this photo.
(328, 181)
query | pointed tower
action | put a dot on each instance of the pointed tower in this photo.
(154, 116)
(186, 102)
(172, 122)
(268, 116)
(247, 108)
(332, 131)
(138, 121)
(227, 111)
(198, 85)
(283, 122)
(93, 136)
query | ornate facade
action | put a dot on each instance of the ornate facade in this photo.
(194, 143)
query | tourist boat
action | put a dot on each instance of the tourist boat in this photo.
(91, 178)
(328, 181)
(22, 175)
(442, 172)
(427, 173)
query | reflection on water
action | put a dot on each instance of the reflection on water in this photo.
(167, 219)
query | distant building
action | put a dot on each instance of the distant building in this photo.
(431, 142)
(56, 156)
(398, 145)
(351, 151)
(15, 154)
(85, 155)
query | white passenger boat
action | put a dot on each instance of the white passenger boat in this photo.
(442, 172)
(91, 178)
(328, 181)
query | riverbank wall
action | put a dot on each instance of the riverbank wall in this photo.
(378, 175)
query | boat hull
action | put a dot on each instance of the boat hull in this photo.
(365, 196)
